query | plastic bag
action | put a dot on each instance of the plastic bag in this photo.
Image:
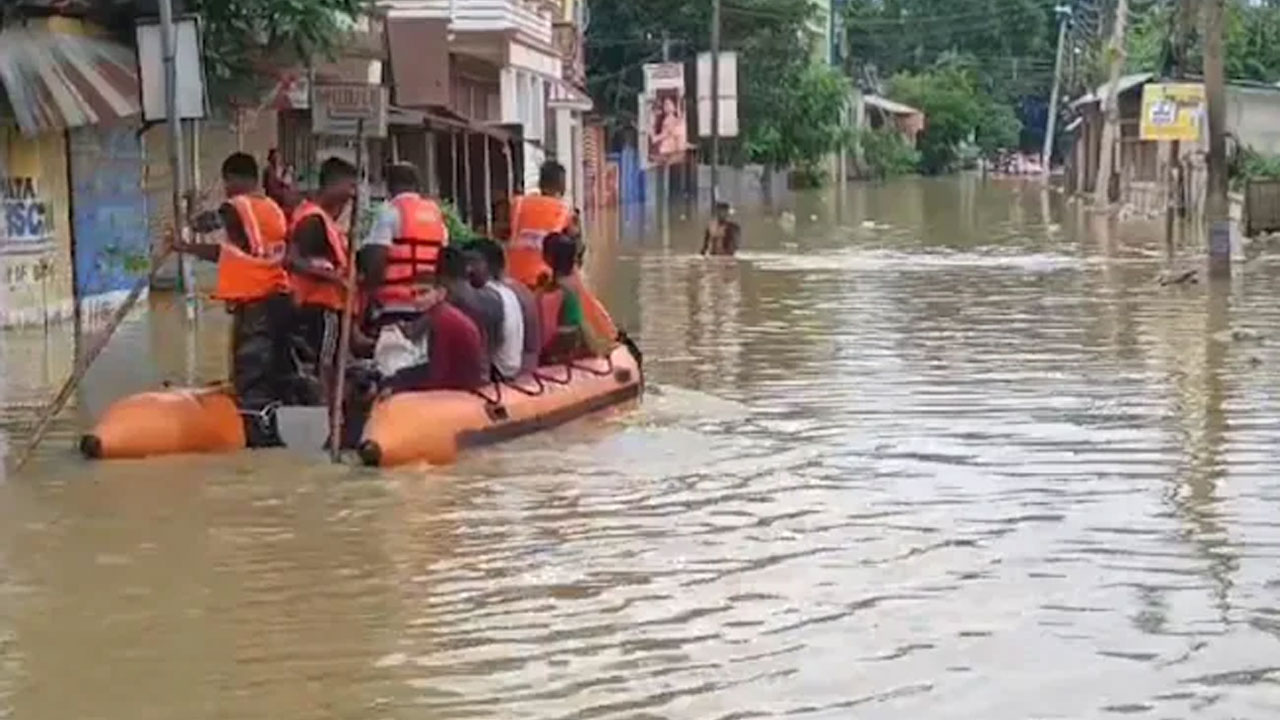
(394, 352)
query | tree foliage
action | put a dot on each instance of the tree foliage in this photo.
(788, 109)
(1009, 44)
(957, 110)
(1251, 42)
(240, 34)
(967, 63)
(885, 154)
(795, 115)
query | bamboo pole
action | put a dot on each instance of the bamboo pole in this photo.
(344, 337)
(85, 361)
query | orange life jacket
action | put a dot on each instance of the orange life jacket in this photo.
(416, 249)
(550, 303)
(308, 290)
(533, 218)
(245, 276)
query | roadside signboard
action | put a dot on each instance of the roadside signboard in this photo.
(192, 101)
(662, 114)
(728, 94)
(337, 108)
(1172, 111)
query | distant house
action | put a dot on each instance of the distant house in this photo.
(71, 218)
(1143, 168)
(882, 113)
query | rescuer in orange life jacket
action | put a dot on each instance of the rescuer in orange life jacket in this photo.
(533, 219)
(253, 282)
(317, 262)
(404, 245)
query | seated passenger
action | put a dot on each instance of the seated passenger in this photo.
(532, 331)
(484, 267)
(597, 317)
(483, 306)
(566, 335)
(456, 358)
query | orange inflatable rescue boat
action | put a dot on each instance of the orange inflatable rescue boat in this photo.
(404, 428)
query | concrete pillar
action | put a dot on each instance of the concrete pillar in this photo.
(564, 150)
(579, 161)
(509, 109)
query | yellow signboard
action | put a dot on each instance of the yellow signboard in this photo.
(1172, 111)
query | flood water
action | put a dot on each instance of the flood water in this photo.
(940, 449)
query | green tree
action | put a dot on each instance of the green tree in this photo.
(1008, 43)
(788, 110)
(886, 154)
(956, 110)
(1252, 40)
(241, 37)
(1002, 52)
(796, 120)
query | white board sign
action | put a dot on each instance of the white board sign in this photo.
(336, 109)
(728, 94)
(192, 99)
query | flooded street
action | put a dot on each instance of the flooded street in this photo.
(938, 449)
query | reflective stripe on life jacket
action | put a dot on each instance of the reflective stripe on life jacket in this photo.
(550, 303)
(415, 250)
(533, 218)
(259, 272)
(308, 290)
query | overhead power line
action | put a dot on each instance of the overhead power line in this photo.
(851, 21)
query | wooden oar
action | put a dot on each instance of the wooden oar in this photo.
(84, 362)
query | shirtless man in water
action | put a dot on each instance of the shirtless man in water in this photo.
(722, 233)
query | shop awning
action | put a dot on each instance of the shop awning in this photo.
(446, 118)
(60, 80)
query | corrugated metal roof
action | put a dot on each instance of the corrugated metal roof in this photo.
(888, 105)
(1127, 83)
(58, 80)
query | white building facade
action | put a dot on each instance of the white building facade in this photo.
(508, 68)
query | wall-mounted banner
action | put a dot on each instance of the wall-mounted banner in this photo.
(26, 222)
(1172, 111)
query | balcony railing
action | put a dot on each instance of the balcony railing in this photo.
(530, 19)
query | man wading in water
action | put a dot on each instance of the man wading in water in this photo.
(722, 233)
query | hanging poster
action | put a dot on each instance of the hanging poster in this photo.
(663, 124)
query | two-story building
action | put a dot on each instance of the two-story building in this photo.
(504, 65)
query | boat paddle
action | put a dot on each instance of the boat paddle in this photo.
(85, 361)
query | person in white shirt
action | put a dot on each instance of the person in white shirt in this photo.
(532, 325)
(483, 263)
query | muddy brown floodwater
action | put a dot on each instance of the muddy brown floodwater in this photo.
(942, 449)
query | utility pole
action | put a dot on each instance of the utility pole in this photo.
(1217, 207)
(715, 102)
(664, 193)
(1111, 108)
(177, 158)
(1182, 24)
(1046, 159)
